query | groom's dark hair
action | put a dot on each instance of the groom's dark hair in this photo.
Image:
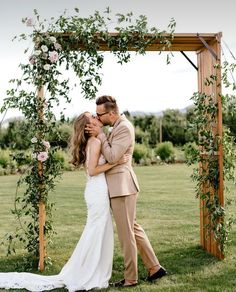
(109, 103)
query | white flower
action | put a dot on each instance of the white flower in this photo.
(53, 56)
(29, 22)
(47, 67)
(37, 52)
(44, 48)
(34, 140)
(53, 39)
(34, 155)
(110, 129)
(42, 156)
(46, 144)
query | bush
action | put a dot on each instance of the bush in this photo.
(140, 152)
(5, 158)
(63, 157)
(165, 151)
(179, 155)
(145, 161)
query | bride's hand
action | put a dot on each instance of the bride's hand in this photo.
(125, 158)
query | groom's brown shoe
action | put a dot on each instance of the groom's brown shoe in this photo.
(159, 274)
(121, 283)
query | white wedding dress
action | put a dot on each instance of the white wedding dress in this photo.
(90, 265)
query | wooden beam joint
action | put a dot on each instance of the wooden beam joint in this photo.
(213, 53)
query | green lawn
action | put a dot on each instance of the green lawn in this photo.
(168, 211)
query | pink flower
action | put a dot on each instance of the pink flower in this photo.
(29, 22)
(42, 156)
(46, 144)
(53, 56)
(32, 59)
(57, 46)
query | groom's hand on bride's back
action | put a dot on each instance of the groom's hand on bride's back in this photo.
(93, 130)
(125, 158)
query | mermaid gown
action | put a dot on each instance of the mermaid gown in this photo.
(90, 265)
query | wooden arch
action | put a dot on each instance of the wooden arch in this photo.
(208, 49)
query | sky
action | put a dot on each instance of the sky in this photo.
(146, 83)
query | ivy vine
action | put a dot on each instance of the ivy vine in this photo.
(204, 123)
(55, 48)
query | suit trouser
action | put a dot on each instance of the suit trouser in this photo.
(131, 236)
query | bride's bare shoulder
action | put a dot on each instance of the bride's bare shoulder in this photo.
(93, 141)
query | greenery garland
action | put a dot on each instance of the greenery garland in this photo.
(51, 53)
(203, 122)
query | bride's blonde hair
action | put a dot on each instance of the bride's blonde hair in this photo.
(79, 140)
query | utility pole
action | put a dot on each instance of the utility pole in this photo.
(160, 130)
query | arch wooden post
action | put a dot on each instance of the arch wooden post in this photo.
(206, 64)
(42, 215)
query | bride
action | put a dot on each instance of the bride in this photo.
(90, 265)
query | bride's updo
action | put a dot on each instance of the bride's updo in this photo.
(79, 140)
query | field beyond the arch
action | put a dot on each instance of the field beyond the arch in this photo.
(168, 211)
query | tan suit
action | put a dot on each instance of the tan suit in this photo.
(123, 189)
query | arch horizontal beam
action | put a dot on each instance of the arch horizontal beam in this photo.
(180, 41)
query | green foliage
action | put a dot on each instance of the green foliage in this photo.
(4, 158)
(204, 118)
(140, 152)
(15, 135)
(165, 151)
(141, 137)
(7, 163)
(174, 126)
(146, 129)
(63, 158)
(191, 152)
(56, 47)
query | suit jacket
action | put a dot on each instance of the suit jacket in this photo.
(121, 179)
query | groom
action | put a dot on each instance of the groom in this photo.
(123, 190)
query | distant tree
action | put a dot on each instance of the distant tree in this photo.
(174, 126)
(149, 126)
(141, 137)
(191, 134)
(229, 115)
(15, 136)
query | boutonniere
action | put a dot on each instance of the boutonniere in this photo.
(110, 130)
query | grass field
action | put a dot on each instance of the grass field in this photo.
(168, 211)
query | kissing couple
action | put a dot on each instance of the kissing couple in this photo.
(111, 186)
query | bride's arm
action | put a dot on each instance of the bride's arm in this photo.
(94, 152)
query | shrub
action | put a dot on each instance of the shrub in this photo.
(63, 157)
(59, 155)
(140, 152)
(145, 161)
(179, 155)
(5, 158)
(165, 151)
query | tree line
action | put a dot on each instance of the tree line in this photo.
(172, 125)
